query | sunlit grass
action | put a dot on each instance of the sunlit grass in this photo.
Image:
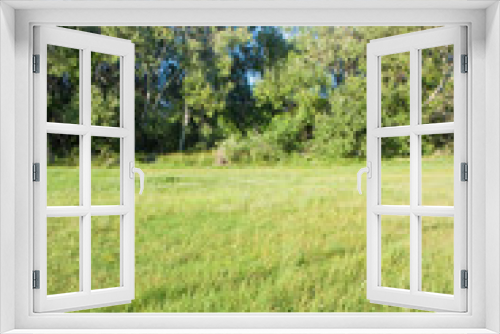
(260, 239)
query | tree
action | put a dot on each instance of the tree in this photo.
(207, 61)
(302, 88)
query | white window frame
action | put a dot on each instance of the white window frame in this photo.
(483, 212)
(414, 43)
(85, 43)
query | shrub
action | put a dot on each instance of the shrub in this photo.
(254, 147)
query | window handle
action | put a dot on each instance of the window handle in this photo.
(368, 171)
(134, 170)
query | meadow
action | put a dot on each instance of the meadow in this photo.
(288, 237)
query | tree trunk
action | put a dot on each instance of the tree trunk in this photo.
(185, 123)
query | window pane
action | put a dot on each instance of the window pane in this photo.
(395, 251)
(63, 84)
(395, 171)
(105, 89)
(105, 171)
(395, 89)
(437, 254)
(437, 84)
(63, 255)
(105, 252)
(63, 170)
(437, 169)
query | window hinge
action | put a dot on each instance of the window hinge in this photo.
(36, 172)
(465, 279)
(36, 63)
(36, 279)
(465, 63)
(464, 173)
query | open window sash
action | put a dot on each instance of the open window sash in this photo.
(414, 297)
(86, 44)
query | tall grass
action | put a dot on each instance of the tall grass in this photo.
(250, 238)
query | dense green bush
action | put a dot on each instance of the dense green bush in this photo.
(254, 147)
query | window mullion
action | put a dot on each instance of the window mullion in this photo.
(85, 180)
(81, 162)
(414, 172)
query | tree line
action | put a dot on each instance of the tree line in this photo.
(253, 93)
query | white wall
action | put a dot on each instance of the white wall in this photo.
(492, 167)
(7, 160)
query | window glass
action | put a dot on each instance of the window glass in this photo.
(63, 170)
(437, 254)
(437, 84)
(63, 255)
(437, 170)
(63, 85)
(395, 89)
(395, 170)
(106, 184)
(105, 252)
(395, 251)
(105, 89)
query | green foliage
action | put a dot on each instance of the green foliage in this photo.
(395, 89)
(342, 133)
(258, 92)
(105, 89)
(282, 137)
(324, 81)
(292, 83)
(253, 147)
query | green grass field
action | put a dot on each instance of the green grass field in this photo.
(285, 238)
